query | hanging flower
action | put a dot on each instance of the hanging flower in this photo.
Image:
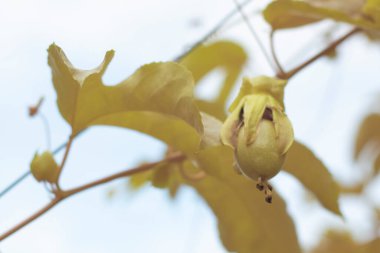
(258, 130)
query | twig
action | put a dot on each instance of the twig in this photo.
(256, 37)
(328, 49)
(274, 54)
(61, 195)
(220, 24)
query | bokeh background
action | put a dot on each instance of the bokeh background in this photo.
(326, 104)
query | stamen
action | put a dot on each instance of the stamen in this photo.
(268, 114)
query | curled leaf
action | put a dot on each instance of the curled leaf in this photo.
(157, 99)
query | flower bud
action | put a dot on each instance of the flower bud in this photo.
(44, 168)
(258, 129)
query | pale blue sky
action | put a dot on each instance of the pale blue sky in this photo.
(324, 103)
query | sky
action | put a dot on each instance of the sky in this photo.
(325, 104)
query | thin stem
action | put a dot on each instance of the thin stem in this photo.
(220, 24)
(66, 154)
(45, 122)
(328, 49)
(61, 195)
(14, 183)
(256, 37)
(274, 54)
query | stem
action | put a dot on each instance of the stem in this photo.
(274, 54)
(45, 122)
(61, 195)
(256, 37)
(14, 183)
(330, 47)
(220, 24)
(66, 154)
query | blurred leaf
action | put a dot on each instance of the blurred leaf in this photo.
(368, 132)
(246, 222)
(137, 181)
(342, 242)
(226, 55)
(291, 14)
(376, 164)
(372, 8)
(161, 176)
(157, 99)
(313, 174)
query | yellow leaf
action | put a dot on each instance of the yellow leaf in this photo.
(246, 222)
(225, 55)
(313, 174)
(157, 99)
(290, 14)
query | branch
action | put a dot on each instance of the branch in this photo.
(25, 222)
(220, 24)
(173, 158)
(274, 54)
(61, 195)
(325, 51)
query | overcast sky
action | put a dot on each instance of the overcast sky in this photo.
(324, 103)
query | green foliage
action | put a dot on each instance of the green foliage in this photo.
(44, 168)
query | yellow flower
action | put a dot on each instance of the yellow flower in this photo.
(258, 130)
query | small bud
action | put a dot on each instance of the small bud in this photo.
(33, 110)
(44, 168)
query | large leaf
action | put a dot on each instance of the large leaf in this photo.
(224, 55)
(157, 99)
(290, 14)
(246, 222)
(313, 174)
